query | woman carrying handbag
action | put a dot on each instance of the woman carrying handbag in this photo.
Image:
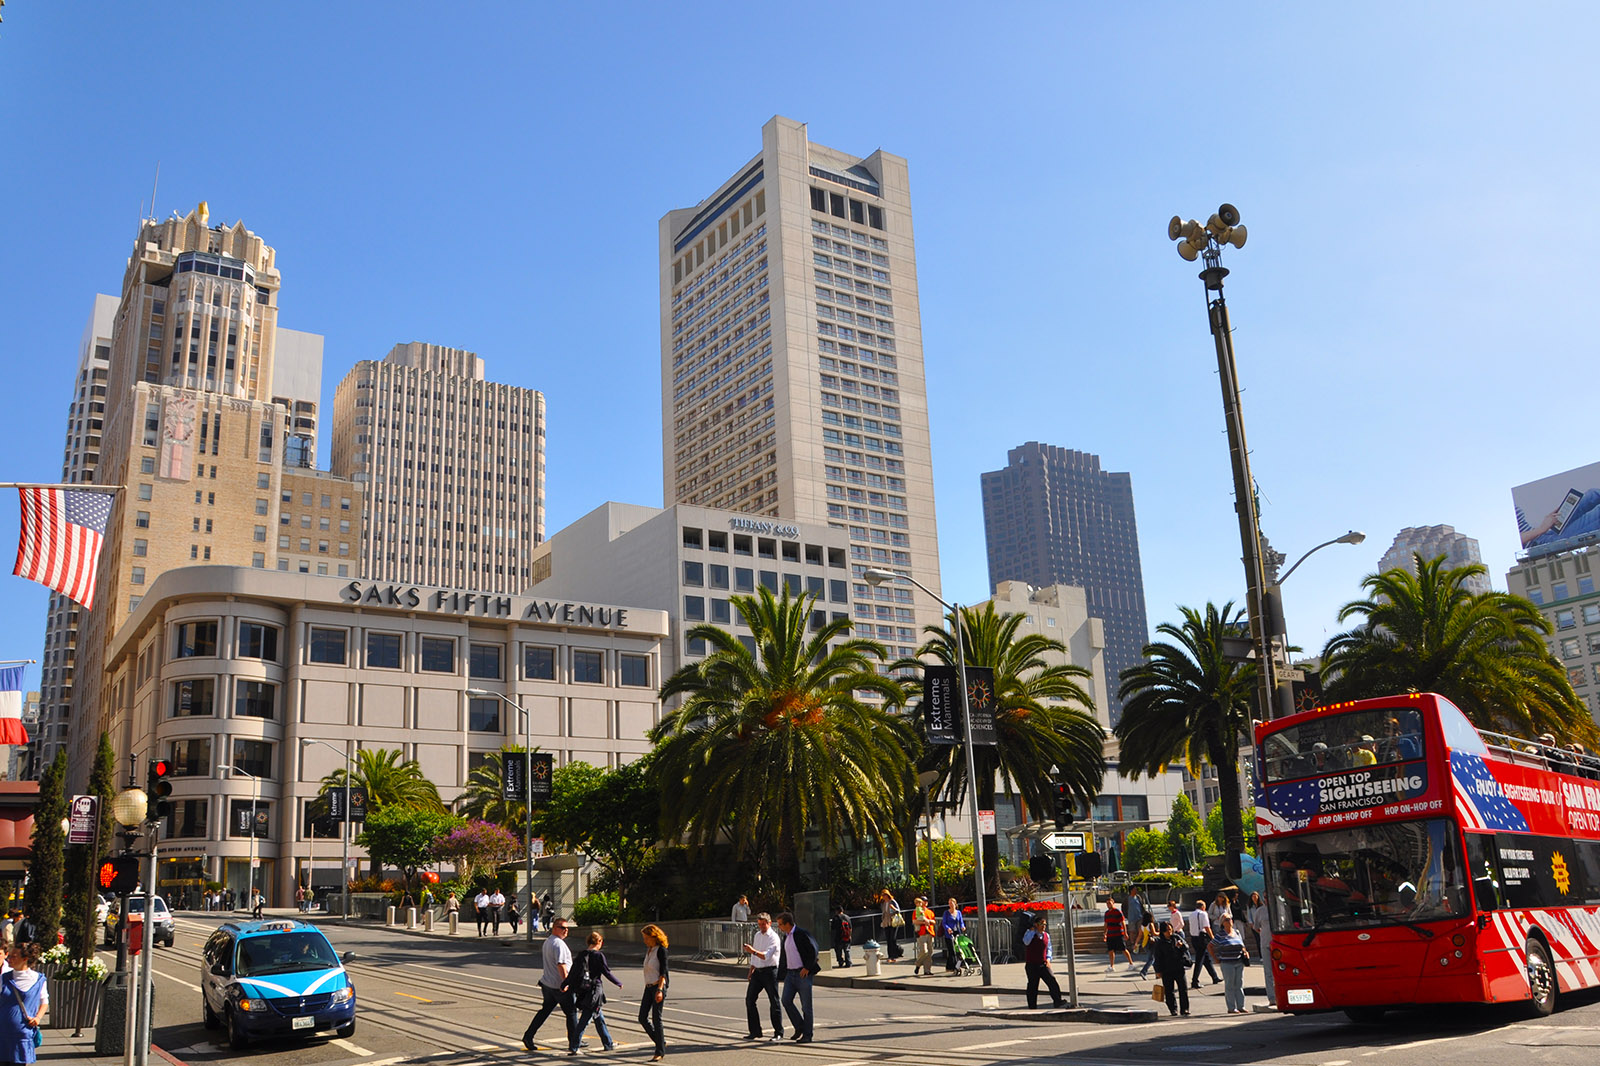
(26, 998)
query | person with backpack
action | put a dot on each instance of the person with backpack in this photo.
(1171, 953)
(842, 931)
(588, 995)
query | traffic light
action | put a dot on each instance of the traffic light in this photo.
(120, 875)
(159, 789)
(1064, 807)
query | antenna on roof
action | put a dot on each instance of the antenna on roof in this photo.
(153, 186)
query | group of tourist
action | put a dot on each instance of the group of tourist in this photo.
(1207, 936)
(572, 984)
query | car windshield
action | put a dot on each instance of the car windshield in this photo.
(136, 905)
(1384, 874)
(285, 953)
(1334, 742)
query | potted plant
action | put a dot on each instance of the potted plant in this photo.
(75, 988)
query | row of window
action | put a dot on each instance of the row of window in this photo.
(697, 575)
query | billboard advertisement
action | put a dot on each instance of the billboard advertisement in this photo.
(1560, 512)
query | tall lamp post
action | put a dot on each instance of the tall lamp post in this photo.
(1285, 691)
(527, 798)
(877, 576)
(926, 780)
(344, 823)
(255, 792)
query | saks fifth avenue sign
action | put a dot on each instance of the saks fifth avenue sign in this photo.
(483, 605)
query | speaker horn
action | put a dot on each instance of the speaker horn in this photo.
(1236, 236)
(1188, 251)
(1229, 215)
(1174, 228)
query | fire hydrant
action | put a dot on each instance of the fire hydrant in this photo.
(870, 949)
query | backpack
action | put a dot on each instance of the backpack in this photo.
(584, 984)
(844, 928)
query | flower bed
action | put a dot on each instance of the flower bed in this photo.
(1021, 907)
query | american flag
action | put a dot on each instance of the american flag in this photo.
(60, 543)
(1296, 803)
(12, 730)
(1480, 803)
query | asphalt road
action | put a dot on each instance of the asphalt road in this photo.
(465, 1003)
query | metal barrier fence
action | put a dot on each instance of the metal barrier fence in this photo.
(1000, 933)
(723, 940)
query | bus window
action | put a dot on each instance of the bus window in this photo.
(1374, 875)
(1485, 875)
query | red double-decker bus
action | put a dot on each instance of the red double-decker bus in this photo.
(1412, 859)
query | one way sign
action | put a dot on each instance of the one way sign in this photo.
(1064, 841)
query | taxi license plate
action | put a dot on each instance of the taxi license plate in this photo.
(305, 1021)
(1300, 997)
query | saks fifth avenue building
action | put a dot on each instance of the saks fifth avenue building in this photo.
(235, 666)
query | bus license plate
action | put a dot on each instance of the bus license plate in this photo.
(1299, 997)
(309, 1021)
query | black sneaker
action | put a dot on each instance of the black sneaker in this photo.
(752, 1036)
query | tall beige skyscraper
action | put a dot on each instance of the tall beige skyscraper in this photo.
(791, 360)
(450, 468)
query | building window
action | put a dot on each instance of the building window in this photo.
(744, 579)
(188, 818)
(243, 815)
(586, 667)
(694, 608)
(383, 651)
(144, 492)
(1569, 648)
(1591, 614)
(1566, 619)
(328, 646)
(718, 575)
(254, 757)
(635, 670)
(691, 538)
(194, 698)
(483, 714)
(693, 574)
(141, 548)
(254, 699)
(485, 662)
(257, 641)
(717, 541)
(538, 664)
(136, 575)
(191, 757)
(195, 640)
(439, 655)
(720, 613)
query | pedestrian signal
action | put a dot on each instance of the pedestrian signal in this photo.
(120, 875)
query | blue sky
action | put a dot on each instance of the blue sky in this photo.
(1412, 310)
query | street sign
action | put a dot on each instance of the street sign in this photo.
(85, 817)
(538, 847)
(1064, 842)
(1291, 673)
(986, 823)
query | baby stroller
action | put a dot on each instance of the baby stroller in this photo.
(966, 955)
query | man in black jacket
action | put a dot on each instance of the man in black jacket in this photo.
(797, 965)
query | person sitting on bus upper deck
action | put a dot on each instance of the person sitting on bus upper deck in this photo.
(1587, 765)
(1364, 753)
(1398, 746)
(1554, 757)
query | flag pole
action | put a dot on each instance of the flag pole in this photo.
(18, 662)
(79, 487)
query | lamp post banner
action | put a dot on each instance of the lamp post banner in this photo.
(980, 705)
(941, 704)
(358, 803)
(541, 764)
(513, 775)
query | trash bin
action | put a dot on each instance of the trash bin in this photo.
(870, 950)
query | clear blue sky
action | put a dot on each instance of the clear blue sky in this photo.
(1412, 310)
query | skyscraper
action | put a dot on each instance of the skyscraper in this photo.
(1431, 542)
(791, 360)
(450, 468)
(1053, 517)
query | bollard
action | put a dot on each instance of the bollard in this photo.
(454, 919)
(870, 950)
(388, 917)
(427, 921)
(411, 917)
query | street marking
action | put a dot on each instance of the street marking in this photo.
(985, 1047)
(181, 981)
(496, 1047)
(382, 1062)
(1337, 1062)
(408, 995)
(355, 1049)
(1414, 1043)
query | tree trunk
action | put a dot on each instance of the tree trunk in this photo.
(1225, 756)
(991, 844)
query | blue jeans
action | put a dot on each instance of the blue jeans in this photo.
(796, 986)
(1233, 983)
(599, 1017)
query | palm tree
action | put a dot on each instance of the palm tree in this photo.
(1485, 652)
(771, 743)
(1187, 701)
(389, 781)
(484, 797)
(1045, 728)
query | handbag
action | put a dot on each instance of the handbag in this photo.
(897, 920)
(1159, 993)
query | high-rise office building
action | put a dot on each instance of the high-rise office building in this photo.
(449, 467)
(80, 458)
(1431, 542)
(791, 359)
(1053, 517)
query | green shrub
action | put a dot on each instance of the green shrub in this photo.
(597, 908)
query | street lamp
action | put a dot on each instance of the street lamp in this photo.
(1206, 241)
(255, 790)
(129, 807)
(876, 576)
(527, 781)
(344, 823)
(1284, 694)
(925, 780)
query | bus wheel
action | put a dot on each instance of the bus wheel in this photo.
(1541, 977)
(1364, 1015)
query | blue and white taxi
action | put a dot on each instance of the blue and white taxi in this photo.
(277, 978)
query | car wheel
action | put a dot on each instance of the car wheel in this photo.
(1365, 1015)
(207, 1015)
(1542, 981)
(345, 1030)
(238, 1039)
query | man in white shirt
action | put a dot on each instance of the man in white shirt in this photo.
(497, 903)
(741, 909)
(480, 910)
(557, 958)
(763, 952)
(1198, 926)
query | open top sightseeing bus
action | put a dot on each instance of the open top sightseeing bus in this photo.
(1412, 859)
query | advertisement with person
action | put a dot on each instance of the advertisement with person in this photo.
(1559, 512)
